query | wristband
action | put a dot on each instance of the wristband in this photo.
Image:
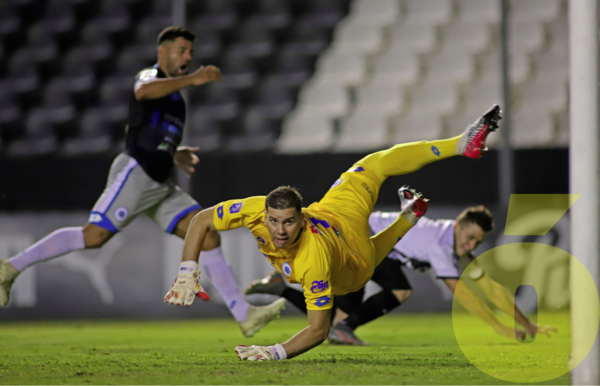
(279, 352)
(188, 267)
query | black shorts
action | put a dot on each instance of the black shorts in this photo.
(388, 275)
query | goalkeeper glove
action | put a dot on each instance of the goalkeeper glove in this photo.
(186, 286)
(261, 353)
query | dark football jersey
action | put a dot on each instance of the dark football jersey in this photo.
(155, 128)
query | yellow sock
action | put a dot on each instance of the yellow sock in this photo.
(408, 157)
(385, 240)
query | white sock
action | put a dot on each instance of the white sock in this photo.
(55, 244)
(221, 277)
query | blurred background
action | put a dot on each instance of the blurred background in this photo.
(309, 87)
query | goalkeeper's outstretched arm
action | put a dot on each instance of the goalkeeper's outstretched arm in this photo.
(186, 287)
(319, 323)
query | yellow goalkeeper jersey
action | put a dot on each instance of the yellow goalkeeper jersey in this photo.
(326, 260)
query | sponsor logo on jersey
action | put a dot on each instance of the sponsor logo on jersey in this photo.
(435, 151)
(322, 301)
(339, 181)
(220, 212)
(235, 208)
(364, 185)
(287, 269)
(121, 214)
(261, 240)
(317, 222)
(319, 286)
(359, 169)
(148, 74)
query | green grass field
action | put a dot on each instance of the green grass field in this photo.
(405, 349)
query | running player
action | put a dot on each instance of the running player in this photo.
(326, 247)
(437, 244)
(140, 180)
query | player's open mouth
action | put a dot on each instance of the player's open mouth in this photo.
(183, 69)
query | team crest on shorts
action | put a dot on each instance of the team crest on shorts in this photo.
(287, 269)
(339, 181)
(121, 214)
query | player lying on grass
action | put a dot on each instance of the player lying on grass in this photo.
(437, 244)
(327, 247)
(140, 180)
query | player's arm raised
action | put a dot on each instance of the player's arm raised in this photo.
(160, 87)
(186, 287)
(310, 337)
(502, 299)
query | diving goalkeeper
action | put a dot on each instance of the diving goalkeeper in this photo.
(327, 247)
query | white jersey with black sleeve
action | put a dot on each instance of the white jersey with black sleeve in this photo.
(429, 242)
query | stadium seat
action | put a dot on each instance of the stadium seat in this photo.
(113, 17)
(10, 113)
(416, 127)
(147, 30)
(535, 10)
(203, 132)
(491, 67)
(434, 99)
(252, 43)
(412, 38)
(271, 14)
(525, 37)
(305, 42)
(381, 99)
(544, 95)
(304, 132)
(23, 77)
(251, 143)
(361, 133)
(128, 63)
(160, 7)
(290, 71)
(470, 38)
(563, 130)
(396, 69)
(479, 11)
(374, 12)
(532, 129)
(450, 66)
(356, 39)
(272, 102)
(480, 96)
(39, 138)
(323, 14)
(323, 98)
(428, 12)
(59, 18)
(348, 70)
(80, 81)
(215, 20)
(218, 103)
(208, 45)
(238, 73)
(93, 137)
(10, 21)
(553, 65)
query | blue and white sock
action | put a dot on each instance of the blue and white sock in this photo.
(54, 245)
(221, 277)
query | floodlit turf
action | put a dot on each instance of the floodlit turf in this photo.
(406, 349)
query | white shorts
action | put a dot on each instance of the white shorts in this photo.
(130, 191)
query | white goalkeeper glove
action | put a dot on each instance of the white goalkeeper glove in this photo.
(261, 353)
(186, 286)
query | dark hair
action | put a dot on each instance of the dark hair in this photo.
(173, 32)
(479, 215)
(284, 197)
